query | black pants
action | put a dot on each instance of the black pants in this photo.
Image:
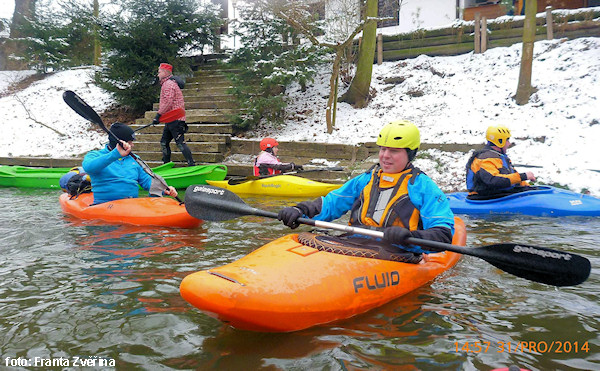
(175, 130)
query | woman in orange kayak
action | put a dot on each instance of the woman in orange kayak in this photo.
(393, 195)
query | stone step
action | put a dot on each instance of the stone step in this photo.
(155, 158)
(149, 115)
(305, 150)
(192, 128)
(210, 80)
(207, 147)
(206, 91)
(210, 104)
(208, 97)
(215, 70)
(189, 137)
(196, 119)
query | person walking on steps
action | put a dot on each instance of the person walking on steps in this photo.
(392, 196)
(267, 162)
(171, 98)
(490, 173)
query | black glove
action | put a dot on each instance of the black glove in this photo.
(289, 216)
(396, 235)
(299, 167)
(156, 118)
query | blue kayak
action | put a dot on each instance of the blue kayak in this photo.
(543, 201)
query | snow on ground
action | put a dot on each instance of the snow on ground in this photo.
(454, 100)
(451, 99)
(21, 114)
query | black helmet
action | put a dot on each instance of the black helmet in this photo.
(121, 131)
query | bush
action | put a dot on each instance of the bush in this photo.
(270, 59)
(144, 33)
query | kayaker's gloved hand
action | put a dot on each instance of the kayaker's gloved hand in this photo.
(396, 235)
(156, 118)
(289, 216)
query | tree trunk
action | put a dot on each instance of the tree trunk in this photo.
(524, 89)
(333, 83)
(97, 49)
(24, 9)
(358, 92)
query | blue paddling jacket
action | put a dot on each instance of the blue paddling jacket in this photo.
(114, 177)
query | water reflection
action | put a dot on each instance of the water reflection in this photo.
(77, 288)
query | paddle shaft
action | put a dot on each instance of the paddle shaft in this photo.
(166, 118)
(234, 181)
(373, 233)
(534, 263)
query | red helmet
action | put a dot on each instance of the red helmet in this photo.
(268, 143)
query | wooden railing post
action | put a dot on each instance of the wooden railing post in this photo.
(477, 29)
(379, 49)
(484, 34)
(549, 30)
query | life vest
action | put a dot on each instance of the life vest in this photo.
(384, 202)
(270, 171)
(78, 184)
(501, 161)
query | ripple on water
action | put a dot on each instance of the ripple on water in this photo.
(71, 288)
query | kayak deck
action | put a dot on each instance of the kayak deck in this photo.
(178, 177)
(287, 286)
(280, 185)
(160, 211)
(543, 201)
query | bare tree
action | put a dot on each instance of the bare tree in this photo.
(296, 19)
(358, 92)
(524, 89)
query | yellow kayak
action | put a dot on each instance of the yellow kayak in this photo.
(281, 185)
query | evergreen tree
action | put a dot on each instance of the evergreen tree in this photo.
(144, 33)
(270, 59)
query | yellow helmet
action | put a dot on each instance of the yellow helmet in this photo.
(400, 134)
(498, 135)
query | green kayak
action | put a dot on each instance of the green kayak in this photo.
(178, 177)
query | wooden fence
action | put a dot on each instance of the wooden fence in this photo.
(462, 38)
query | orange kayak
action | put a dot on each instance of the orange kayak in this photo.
(160, 211)
(287, 286)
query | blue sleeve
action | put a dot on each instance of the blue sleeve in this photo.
(432, 203)
(96, 161)
(337, 203)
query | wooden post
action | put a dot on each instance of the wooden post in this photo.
(477, 29)
(484, 34)
(549, 30)
(379, 49)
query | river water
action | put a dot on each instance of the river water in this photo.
(109, 295)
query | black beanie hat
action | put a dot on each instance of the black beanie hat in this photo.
(122, 131)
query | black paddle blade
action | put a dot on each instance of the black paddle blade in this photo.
(217, 204)
(536, 263)
(83, 109)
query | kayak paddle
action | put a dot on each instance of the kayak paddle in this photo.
(84, 110)
(234, 181)
(166, 117)
(534, 263)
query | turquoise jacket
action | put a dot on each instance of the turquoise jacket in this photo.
(431, 202)
(424, 194)
(114, 177)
